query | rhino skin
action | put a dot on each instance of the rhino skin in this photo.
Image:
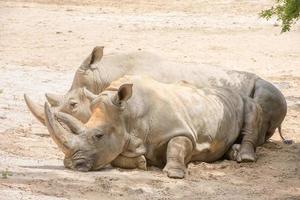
(98, 71)
(170, 124)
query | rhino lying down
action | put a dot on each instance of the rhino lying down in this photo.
(170, 124)
(98, 71)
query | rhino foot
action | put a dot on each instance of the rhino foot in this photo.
(142, 163)
(247, 153)
(177, 173)
(233, 152)
(288, 141)
(246, 158)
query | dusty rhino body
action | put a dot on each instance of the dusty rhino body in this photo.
(98, 71)
(170, 124)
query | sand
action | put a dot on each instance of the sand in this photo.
(42, 43)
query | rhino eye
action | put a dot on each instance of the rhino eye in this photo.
(98, 136)
(73, 104)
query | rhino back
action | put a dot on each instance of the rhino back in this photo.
(197, 74)
(114, 66)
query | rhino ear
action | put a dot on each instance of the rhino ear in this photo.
(93, 58)
(97, 54)
(124, 93)
(54, 99)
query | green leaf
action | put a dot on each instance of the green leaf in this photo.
(286, 11)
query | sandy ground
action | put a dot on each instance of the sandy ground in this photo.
(42, 42)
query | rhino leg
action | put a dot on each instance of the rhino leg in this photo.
(249, 131)
(130, 163)
(179, 152)
(274, 108)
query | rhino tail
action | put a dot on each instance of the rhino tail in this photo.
(285, 141)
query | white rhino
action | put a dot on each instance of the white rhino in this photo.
(170, 124)
(98, 71)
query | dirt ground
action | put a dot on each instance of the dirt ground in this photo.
(42, 42)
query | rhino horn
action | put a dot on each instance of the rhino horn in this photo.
(90, 95)
(54, 99)
(93, 58)
(65, 140)
(36, 109)
(73, 124)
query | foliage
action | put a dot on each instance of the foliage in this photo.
(6, 173)
(287, 12)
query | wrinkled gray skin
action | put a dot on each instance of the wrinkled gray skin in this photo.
(98, 71)
(174, 124)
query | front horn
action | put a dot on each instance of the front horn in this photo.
(36, 109)
(63, 138)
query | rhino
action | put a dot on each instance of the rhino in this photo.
(98, 71)
(169, 124)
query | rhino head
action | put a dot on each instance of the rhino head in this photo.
(97, 143)
(76, 101)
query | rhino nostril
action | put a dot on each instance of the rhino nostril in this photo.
(83, 169)
(82, 166)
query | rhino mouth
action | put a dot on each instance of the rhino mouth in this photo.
(82, 165)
